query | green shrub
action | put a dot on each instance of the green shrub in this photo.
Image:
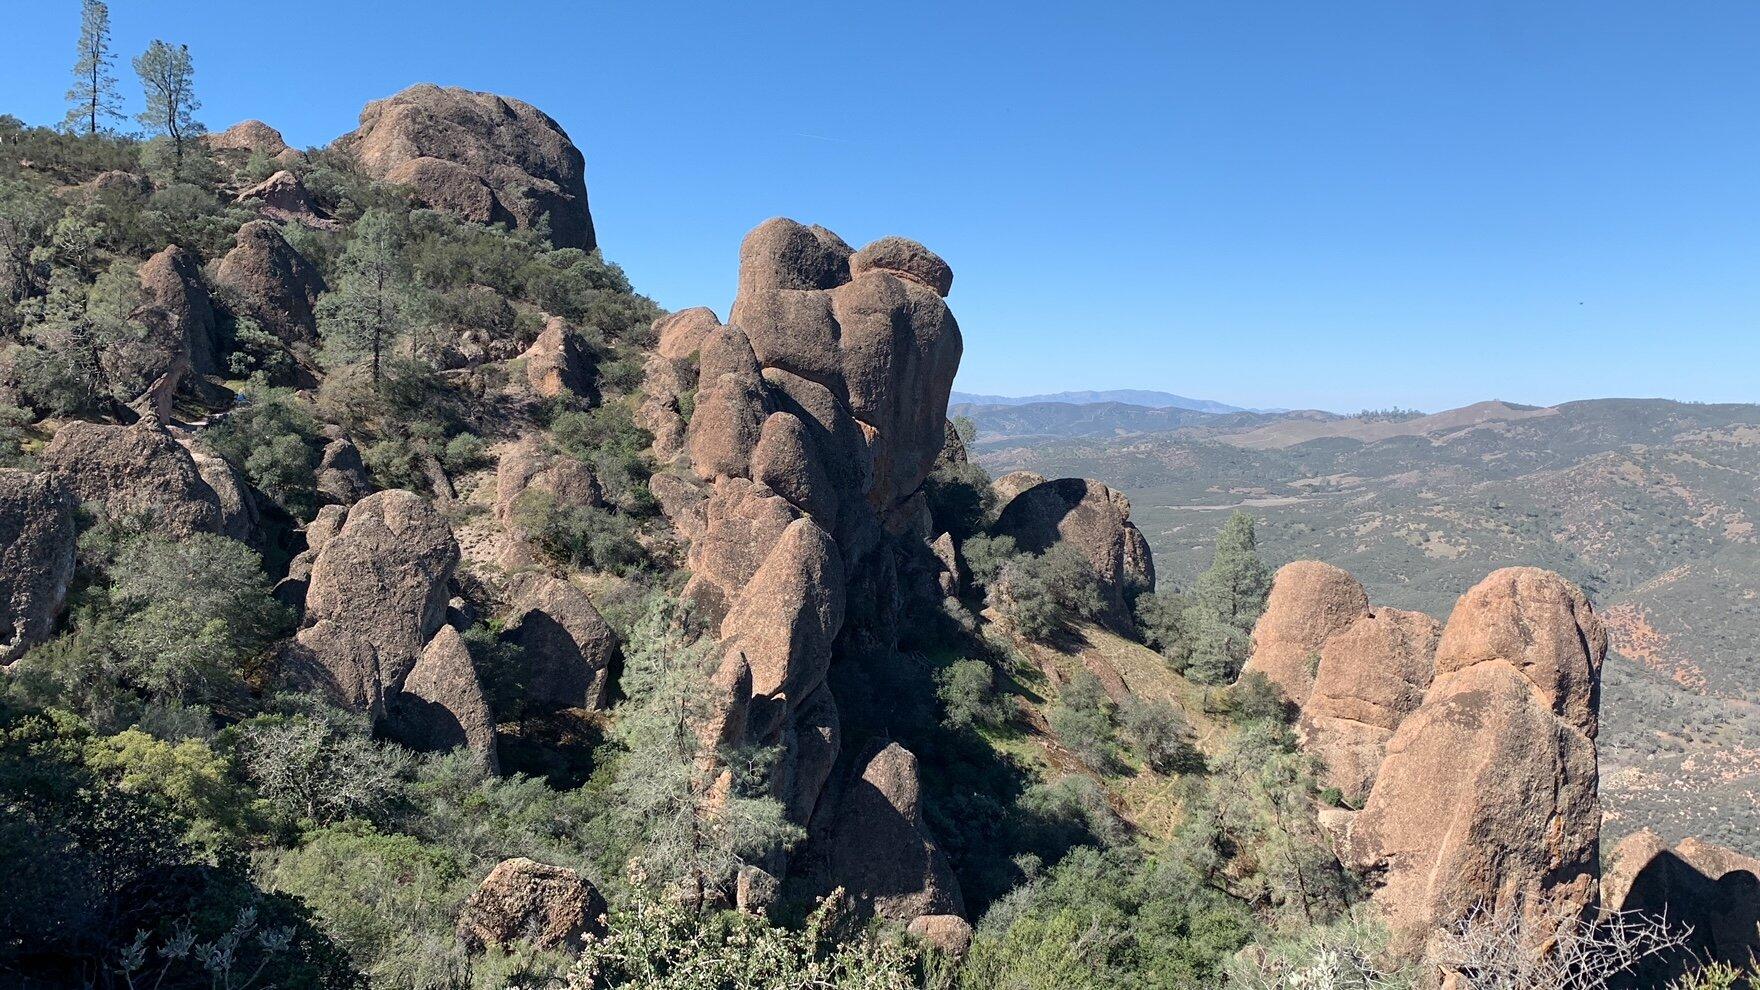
(579, 535)
(967, 689)
(1159, 734)
(1082, 718)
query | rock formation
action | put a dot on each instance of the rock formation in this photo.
(549, 907)
(1372, 674)
(142, 470)
(283, 197)
(441, 705)
(175, 308)
(1710, 889)
(569, 649)
(881, 851)
(481, 157)
(342, 476)
(36, 557)
(1095, 520)
(819, 410)
(1012, 484)
(558, 362)
(377, 595)
(1488, 794)
(276, 285)
(249, 136)
(1309, 602)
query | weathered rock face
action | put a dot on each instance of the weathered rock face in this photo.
(558, 362)
(377, 595)
(1371, 676)
(283, 196)
(175, 308)
(550, 907)
(949, 933)
(1712, 890)
(140, 470)
(881, 850)
(342, 476)
(1309, 602)
(36, 557)
(277, 286)
(1093, 519)
(1010, 485)
(482, 157)
(441, 706)
(569, 649)
(249, 136)
(1488, 794)
(819, 410)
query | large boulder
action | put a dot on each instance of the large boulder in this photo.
(139, 471)
(1371, 676)
(377, 595)
(482, 157)
(250, 137)
(1009, 486)
(1711, 890)
(36, 557)
(1309, 602)
(1488, 795)
(175, 308)
(342, 475)
(274, 284)
(569, 648)
(283, 197)
(881, 850)
(441, 706)
(548, 907)
(1096, 521)
(559, 363)
(785, 620)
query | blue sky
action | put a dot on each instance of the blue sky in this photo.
(1336, 205)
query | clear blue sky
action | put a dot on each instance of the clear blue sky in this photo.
(1268, 203)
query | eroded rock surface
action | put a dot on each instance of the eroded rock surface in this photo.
(1372, 674)
(881, 850)
(275, 284)
(1309, 602)
(36, 557)
(139, 471)
(1096, 521)
(441, 705)
(569, 648)
(548, 907)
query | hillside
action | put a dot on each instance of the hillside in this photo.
(1648, 504)
(1127, 396)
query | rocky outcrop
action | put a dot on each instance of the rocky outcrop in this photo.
(559, 362)
(283, 197)
(143, 471)
(1309, 602)
(1093, 519)
(1488, 795)
(36, 557)
(817, 412)
(274, 284)
(1371, 676)
(377, 595)
(441, 705)
(481, 157)
(569, 649)
(547, 907)
(1711, 890)
(948, 933)
(176, 310)
(1012, 484)
(881, 851)
(342, 476)
(250, 137)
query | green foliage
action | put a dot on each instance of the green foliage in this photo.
(579, 535)
(1226, 602)
(274, 439)
(1106, 921)
(1044, 593)
(1255, 699)
(374, 301)
(961, 500)
(1082, 718)
(321, 768)
(1712, 976)
(608, 438)
(1158, 733)
(92, 103)
(1161, 620)
(1349, 954)
(168, 79)
(986, 556)
(967, 689)
(657, 946)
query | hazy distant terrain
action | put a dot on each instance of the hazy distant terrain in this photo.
(1132, 396)
(1649, 504)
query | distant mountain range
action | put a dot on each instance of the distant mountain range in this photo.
(1129, 396)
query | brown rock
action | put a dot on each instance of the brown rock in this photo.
(569, 649)
(1711, 891)
(441, 706)
(742, 524)
(786, 460)
(138, 470)
(907, 259)
(486, 158)
(249, 136)
(952, 576)
(1309, 602)
(36, 557)
(882, 852)
(549, 907)
(726, 426)
(559, 362)
(284, 197)
(785, 619)
(782, 254)
(1093, 519)
(342, 476)
(754, 890)
(238, 506)
(683, 504)
(275, 285)
(378, 594)
(1488, 796)
(175, 308)
(1371, 676)
(681, 334)
(948, 933)
(1012, 484)
(810, 744)
(1543, 626)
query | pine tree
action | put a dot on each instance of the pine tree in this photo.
(375, 297)
(1227, 601)
(168, 76)
(93, 100)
